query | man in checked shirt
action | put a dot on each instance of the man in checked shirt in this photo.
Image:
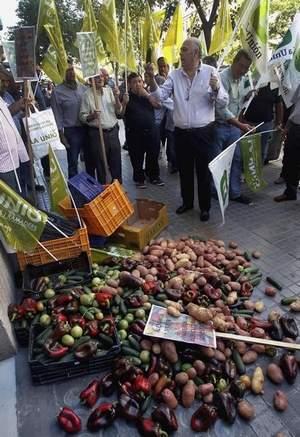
(195, 89)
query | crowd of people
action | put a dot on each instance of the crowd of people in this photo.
(195, 111)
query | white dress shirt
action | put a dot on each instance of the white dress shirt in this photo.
(12, 148)
(194, 100)
(106, 103)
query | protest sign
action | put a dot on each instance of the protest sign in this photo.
(252, 162)
(25, 52)
(10, 54)
(20, 223)
(58, 188)
(183, 328)
(220, 169)
(87, 51)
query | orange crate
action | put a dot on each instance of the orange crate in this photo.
(106, 213)
(62, 249)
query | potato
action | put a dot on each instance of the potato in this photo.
(249, 357)
(258, 348)
(241, 347)
(156, 349)
(208, 399)
(146, 344)
(280, 401)
(270, 291)
(172, 311)
(245, 379)
(199, 366)
(153, 378)
(249, 304)
(274, 373)
(205, 389)
(219, 356)
(169, 398)
(257, 332)
(181, 378)
(246, 410)
(257, 383)
(188, 394)
(168, 349)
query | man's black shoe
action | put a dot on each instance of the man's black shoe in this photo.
(204, 216)
(242, 199)
(40, 188)
(183, 208)
(283, 197)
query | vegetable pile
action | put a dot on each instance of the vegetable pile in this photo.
(204, 279)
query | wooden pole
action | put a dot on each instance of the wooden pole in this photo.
(102, 144)
(29, 146)
(264, 341)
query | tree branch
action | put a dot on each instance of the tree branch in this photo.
(200, 11)
(213, 12)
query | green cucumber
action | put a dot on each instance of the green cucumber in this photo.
(106, 340)
(288, 300)
(133, 360)
(134, 343)
(238, 362)
(274, 283)
(130, 351)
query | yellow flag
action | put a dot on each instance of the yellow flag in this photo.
(89, 24)
(150, 37)
(158, 19)
(222, 30)
(49, 65)
(174, 37)
(128, 49)
(58, 186)
(107, 25)
(48, 21)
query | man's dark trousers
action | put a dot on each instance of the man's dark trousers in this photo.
(292, 160)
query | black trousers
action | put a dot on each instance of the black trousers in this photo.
(292, 161)
(193, 153)
(93, 155)
(141, 142)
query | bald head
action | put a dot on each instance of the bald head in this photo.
(190, 54)
(105, 75)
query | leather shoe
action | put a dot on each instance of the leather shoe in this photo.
(183, 208)
(283, 197)
(204, 216)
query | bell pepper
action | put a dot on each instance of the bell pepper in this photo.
(108, 384)
(173, 294)
(92, 328)
(72, 307)
(276, 331)
(150, 287)
(289, 327)
(246, 289)
(63, 299)
(91, 393)
(86, 350)
(137, 327)
(107, 325)
(128, 407)
(15, 312)
(134, 301)
(237, 389)
(212, 293)
(141, 384)
(153, 363)
(162, 273)
(60, 330)
(165, 417)
(230, 369)
(189, 295)
(203, 418)
(102, 417)
(55, 349)
(225, 405)
(148, 428)
(288, 364)
(59, 318)
(259, 323)
(104, 299)
(69, 421)
(77, 319)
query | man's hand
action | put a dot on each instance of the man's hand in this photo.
(125, 98)
(245, 127)
(92, 116)
(64, 140)
(214, 82)
(116, 92)
(149, 69)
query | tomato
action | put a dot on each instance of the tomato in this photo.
(123, 324)
(76, 331)
(45, 320)
(67, 340)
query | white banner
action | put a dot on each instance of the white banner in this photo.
(220, 169)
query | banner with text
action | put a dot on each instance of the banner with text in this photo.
(220, 169)
(252, 162)
(87, 52)
(25, 52)
(58, 188)
(20, 223)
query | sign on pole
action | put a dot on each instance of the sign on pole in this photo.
(252, 162)
(87, 52)
(25, 52)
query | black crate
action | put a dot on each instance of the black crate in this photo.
(45, 373)
(84, 188)
(22, 335)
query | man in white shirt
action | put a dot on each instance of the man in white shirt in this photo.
(195, 88)
(110, 105)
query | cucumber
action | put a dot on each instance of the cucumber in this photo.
(106, 340)
(247, 256)
(238, 362)
(161, 297)
(130, 351)
(134, 343)
(80, 341)
(133, 360)
(157, 302)
(288, 300)
(274, 283)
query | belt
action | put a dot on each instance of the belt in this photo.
(105, 130)
(192, 129)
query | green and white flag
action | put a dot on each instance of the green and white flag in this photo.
(252, 162)
(58, 187)
(10, 54)
(87, 52)
(255, 31)
(20, 223)
(220, 168)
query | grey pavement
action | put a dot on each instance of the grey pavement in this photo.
(273, 229)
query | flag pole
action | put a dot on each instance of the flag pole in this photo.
(126, 26)
(102, 144)
(29, 145)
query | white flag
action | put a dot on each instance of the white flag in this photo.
(220, 169)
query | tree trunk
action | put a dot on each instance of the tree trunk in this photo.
(207, 24)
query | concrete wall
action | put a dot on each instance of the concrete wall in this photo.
(7, 295)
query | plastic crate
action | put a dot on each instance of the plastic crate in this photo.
(45, 373)
(97, 242)
(84, 188)
(105, 213)
(149, 219)
(62, 249)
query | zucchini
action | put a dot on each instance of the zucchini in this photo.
(288, 300)
(106, 340)
(238, 362)
(130, 351)
(134, 343)
(274, 283)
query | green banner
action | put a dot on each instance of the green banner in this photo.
(87, 52)
(252, 162)
(58, 189)
(20, 223)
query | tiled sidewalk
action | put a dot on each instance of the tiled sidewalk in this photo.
(274, 230)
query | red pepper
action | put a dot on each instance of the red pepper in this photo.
(77, 319)
(92, 327)
(107, 325)
(153, 364)
(141, 384)
(203, 418)
(102, 417)
(137, 327)
(63, 299)
(148, 428)
(59, 318)
(108, 384)
(246, 289)
(134, 301)
(150, 287)
(61, 329)
(258, 323)
(69, 421)
(189, 295)
(29, 305)
(15, 312)
(104, 299)
(55, 349)
(91, 393)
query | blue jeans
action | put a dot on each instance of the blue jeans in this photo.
(76, 137)
(226, 134)
(268, 125)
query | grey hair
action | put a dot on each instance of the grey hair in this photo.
(196, 45)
